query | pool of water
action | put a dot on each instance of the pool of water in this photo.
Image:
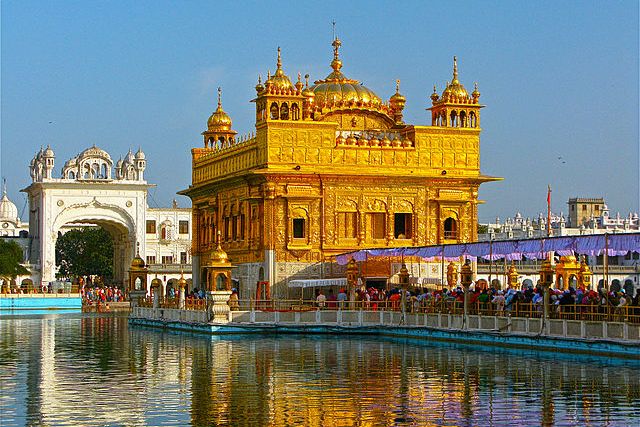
(94, 370)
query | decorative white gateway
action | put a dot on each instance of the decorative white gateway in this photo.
(87, 194)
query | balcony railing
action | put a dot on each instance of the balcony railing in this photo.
(586, 312)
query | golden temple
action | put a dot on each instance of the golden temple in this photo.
(331, 168)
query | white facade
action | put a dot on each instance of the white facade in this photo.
(87, 194)
(168, 242)
(10, 223)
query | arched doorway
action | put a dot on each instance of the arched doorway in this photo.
(117, 223)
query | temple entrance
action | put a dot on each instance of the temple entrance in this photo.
(121, 247)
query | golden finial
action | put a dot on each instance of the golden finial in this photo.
(219, 97)
(259, 78)
(279, 63)
(397, 85)
(306, 80)
(455, 70)
(299, 76)
(434, 89)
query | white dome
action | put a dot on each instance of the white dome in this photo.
(7, 209)
(94, 152)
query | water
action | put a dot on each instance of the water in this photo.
(93, 370)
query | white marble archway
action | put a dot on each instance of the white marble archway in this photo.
(113, 219)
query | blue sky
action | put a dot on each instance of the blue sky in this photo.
(560, 79)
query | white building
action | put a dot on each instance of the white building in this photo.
(91, 191)
(168, 243)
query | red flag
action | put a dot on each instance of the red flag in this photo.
(548, 195)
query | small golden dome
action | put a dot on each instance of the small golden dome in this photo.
(434, 95)
(455, 90)
(385, 141)
(218, 255)
(340, 139)
(182, 282)
(219, 120)
(398, 99)
(279, 81)
(351, 140)
(475, 94)
(137, 262)
(374, 142)
(156, 282)
(259, 86)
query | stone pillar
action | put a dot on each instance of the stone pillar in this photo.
(466, 277)
(546, 280)
(218, 306)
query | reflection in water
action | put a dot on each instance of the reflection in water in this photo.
(92, 370)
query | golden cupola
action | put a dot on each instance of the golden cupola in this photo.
(455, 108)
(219, 120)
(397, 103)
(279, 82)
(219, 133)
(455, 91)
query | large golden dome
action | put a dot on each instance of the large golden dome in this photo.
(219, 120)
(336, 90)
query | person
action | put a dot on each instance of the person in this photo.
(233, 302)
(321, 299)
(499, 300)
(342, 297)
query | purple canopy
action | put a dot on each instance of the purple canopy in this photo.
(616, 244)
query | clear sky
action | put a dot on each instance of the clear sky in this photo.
(559, 79)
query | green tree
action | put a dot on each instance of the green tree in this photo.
(10, 258)
(84, 252)
(483, 229)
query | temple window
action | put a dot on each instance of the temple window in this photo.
(227, 228)
(347, 225)
(183, 227)
(241, 233)
(454, 119)
(463, 119)
(183, 257)
(72, 175)
(151, 226)
(378, 225)
(450, 229)
(472, 119)
(275, 111)
(151, 259)
(298, 228)
(295, 112)
(402, 226)
(234, 228)
(284, 111)
(167, 259)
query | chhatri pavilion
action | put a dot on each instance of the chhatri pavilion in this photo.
(331, 168)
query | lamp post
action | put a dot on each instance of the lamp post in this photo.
(546, 279)
(403, 275)
(466, 277)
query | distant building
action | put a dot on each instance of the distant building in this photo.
(520, 227)
(582, 210)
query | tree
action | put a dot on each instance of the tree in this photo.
(10, 258)
(84, 252)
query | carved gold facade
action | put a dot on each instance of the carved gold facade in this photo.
(333, 168)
